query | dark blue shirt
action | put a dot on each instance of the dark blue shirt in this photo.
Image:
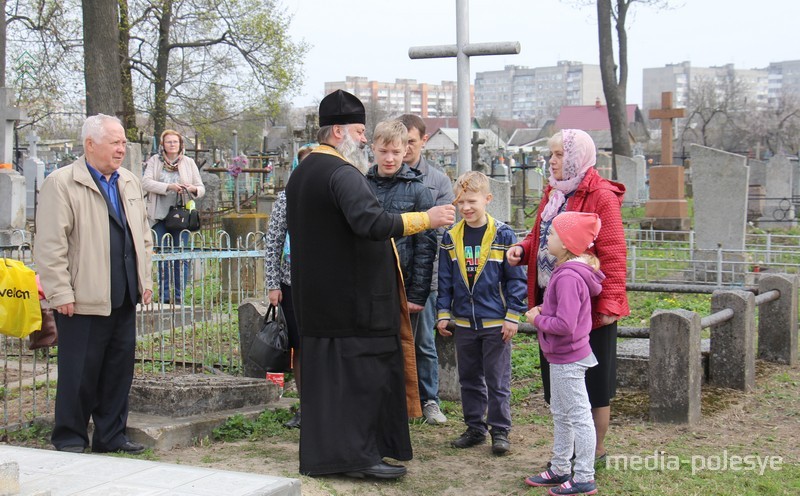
(109, 187)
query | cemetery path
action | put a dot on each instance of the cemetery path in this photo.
(764, 422)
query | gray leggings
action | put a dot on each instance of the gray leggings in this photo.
(573, 427)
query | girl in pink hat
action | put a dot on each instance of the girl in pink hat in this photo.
(563, 322)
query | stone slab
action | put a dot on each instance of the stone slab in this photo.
(720, 185)
(633, 357)
(667, 209)
(667, 182)
(65, 474)
(779, 212)
(628, 174)
(500, 207)
(12, 208)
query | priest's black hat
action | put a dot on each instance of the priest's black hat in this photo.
(341, 107)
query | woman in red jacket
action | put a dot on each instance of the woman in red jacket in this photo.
(575, 185)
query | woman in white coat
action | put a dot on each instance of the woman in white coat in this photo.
(166, 175)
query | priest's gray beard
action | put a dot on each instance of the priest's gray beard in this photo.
(355, 153)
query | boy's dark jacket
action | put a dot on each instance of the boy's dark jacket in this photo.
(499, 290)
(400, 193)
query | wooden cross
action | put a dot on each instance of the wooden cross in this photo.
(463, 50)
(666, 113)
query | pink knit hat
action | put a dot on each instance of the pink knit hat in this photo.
(577, 230)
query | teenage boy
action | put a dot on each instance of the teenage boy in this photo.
(483, 295)
(399, 189)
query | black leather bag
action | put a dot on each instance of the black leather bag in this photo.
(270, 347)
(179, 218)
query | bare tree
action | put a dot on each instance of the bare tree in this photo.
(178, 49)
(101, 57)
(614, 76)
(714, 103)
(777, 128)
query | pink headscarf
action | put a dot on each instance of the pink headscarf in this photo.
(580, 155)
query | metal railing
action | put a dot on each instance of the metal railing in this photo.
(197, 336)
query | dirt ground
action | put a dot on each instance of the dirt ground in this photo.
(766, 420)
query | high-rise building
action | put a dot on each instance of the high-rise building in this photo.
(403, 96)
(682, 78)
(536, 94)
(784, 79)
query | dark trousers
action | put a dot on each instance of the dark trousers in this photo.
(484, 372)
(95, 371)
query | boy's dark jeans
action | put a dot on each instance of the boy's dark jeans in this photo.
(484, 371)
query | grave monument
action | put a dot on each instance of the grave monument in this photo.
(667, 206)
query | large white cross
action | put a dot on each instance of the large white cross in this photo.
(462, 51)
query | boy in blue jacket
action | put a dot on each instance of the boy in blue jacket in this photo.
(483, 295)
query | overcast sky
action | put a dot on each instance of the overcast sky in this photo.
(371, 37)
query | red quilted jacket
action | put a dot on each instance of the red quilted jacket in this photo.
(603, 197)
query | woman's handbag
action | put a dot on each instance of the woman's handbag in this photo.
(20, 313)
(270, 347)
(180, 218)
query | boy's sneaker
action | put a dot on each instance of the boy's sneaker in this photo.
(572, 487)
(500, 443)
(547, 478)
(471, 437)
(433, 415)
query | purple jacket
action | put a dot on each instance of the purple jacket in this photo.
(566, 318)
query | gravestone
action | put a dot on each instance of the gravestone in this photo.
(33, 171)
(778, 207)
(641, 177)
(134, 160)
(536, 182)
(628, 174)
(720, 181)
(12, 208)
(603, 165)
(9, 115)
(667, 205)
(210, 201)
(500, 207)
(758, 172)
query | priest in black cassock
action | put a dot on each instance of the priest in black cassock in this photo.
(359, 373)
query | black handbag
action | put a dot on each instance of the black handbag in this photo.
(179, 218)
(270, 347)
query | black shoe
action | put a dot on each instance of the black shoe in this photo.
(380, 471)
(500, 443)
(294, 422)
(75, 448)
(130, 448)
(471, 437)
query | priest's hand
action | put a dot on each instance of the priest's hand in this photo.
(514, 255)
(442, 216)
(442, 327)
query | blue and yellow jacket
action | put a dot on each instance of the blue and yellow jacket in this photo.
(499, 290)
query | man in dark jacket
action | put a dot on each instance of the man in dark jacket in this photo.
(350, 308)
(423, 322)
(399, 189)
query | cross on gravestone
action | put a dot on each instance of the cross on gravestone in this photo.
(9, 115)
(32, 140)
(463, 50)
(666, 113)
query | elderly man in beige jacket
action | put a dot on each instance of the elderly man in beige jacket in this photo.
(92, 250)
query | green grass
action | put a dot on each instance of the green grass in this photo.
(268, 424)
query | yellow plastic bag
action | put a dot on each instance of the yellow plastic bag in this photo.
(20, 313)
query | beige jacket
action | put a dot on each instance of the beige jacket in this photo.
(151, 181)
(72, 246)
